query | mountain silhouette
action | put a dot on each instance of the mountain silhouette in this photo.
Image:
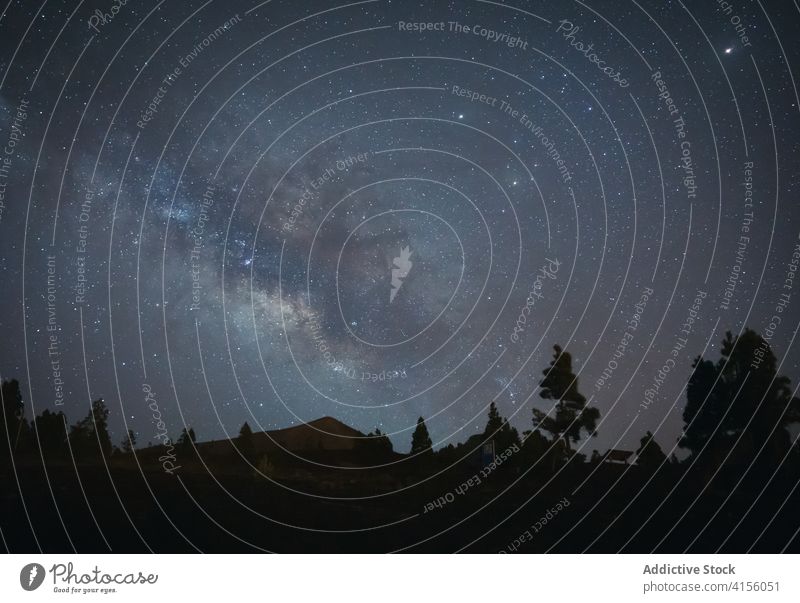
(326, 439)
(325, 433)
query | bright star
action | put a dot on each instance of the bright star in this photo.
(728, 50)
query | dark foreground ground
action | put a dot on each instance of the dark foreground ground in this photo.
(592, 507)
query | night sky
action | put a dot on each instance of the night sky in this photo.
(210, 199)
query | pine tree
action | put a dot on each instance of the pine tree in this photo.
(649, 454)
(494, 422)
(420, 440)
(571, 415)
(14, 429)
(740, 401)
(187, 438)
(129, 442)
(90, 435)
(245, 442)
(499, 429)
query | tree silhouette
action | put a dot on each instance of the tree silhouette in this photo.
(376, 444)
(494, 421)
(14, 427)
(383, 444)
(187, 438)
(500, 430)
(571, 415)
(90, 435)
(534, 446)
(51, 432)
(129, 442)
(739, 402)
(649, 454)
(420, 439)
(245, 442)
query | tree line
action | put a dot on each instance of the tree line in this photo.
(53, 437)
(737, 410)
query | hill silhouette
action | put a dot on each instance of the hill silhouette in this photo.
(325, 440)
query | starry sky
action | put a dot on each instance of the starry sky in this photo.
(208, 201)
